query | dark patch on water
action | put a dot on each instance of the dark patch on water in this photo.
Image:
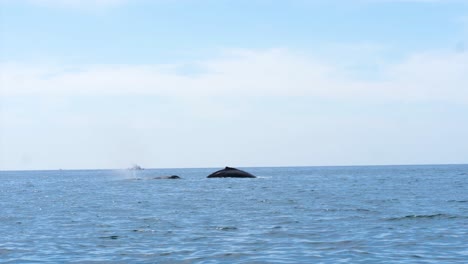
(109, 237)
(5, 251)
(457, 201)
(431, 216)
(226, 228)
(346, 210)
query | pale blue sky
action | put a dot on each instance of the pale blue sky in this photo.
(152, 31)
(184, 83)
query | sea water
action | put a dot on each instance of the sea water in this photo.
(379, 214)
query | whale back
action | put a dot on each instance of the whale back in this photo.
(230, 172)
(172, 177)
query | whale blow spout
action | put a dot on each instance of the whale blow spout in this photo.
(229, 172)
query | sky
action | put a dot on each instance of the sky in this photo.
(104, 84)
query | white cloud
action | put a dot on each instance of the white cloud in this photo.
(430, 76)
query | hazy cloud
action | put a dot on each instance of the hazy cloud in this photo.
(298, 110)
(276, 72)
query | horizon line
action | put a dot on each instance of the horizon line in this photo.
(278, 166)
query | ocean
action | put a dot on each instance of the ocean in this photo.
(362, 214)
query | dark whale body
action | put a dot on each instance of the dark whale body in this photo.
(173, 177)
(229, 172)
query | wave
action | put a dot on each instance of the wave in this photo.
(347, 210)
(428, 216)
(226, 228)
(457, 201)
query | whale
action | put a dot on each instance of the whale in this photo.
(230, 172)
(172, 177)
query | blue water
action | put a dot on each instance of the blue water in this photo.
(381, 214)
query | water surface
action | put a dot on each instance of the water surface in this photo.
(381, 214)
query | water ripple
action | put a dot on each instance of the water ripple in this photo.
(429, 216)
